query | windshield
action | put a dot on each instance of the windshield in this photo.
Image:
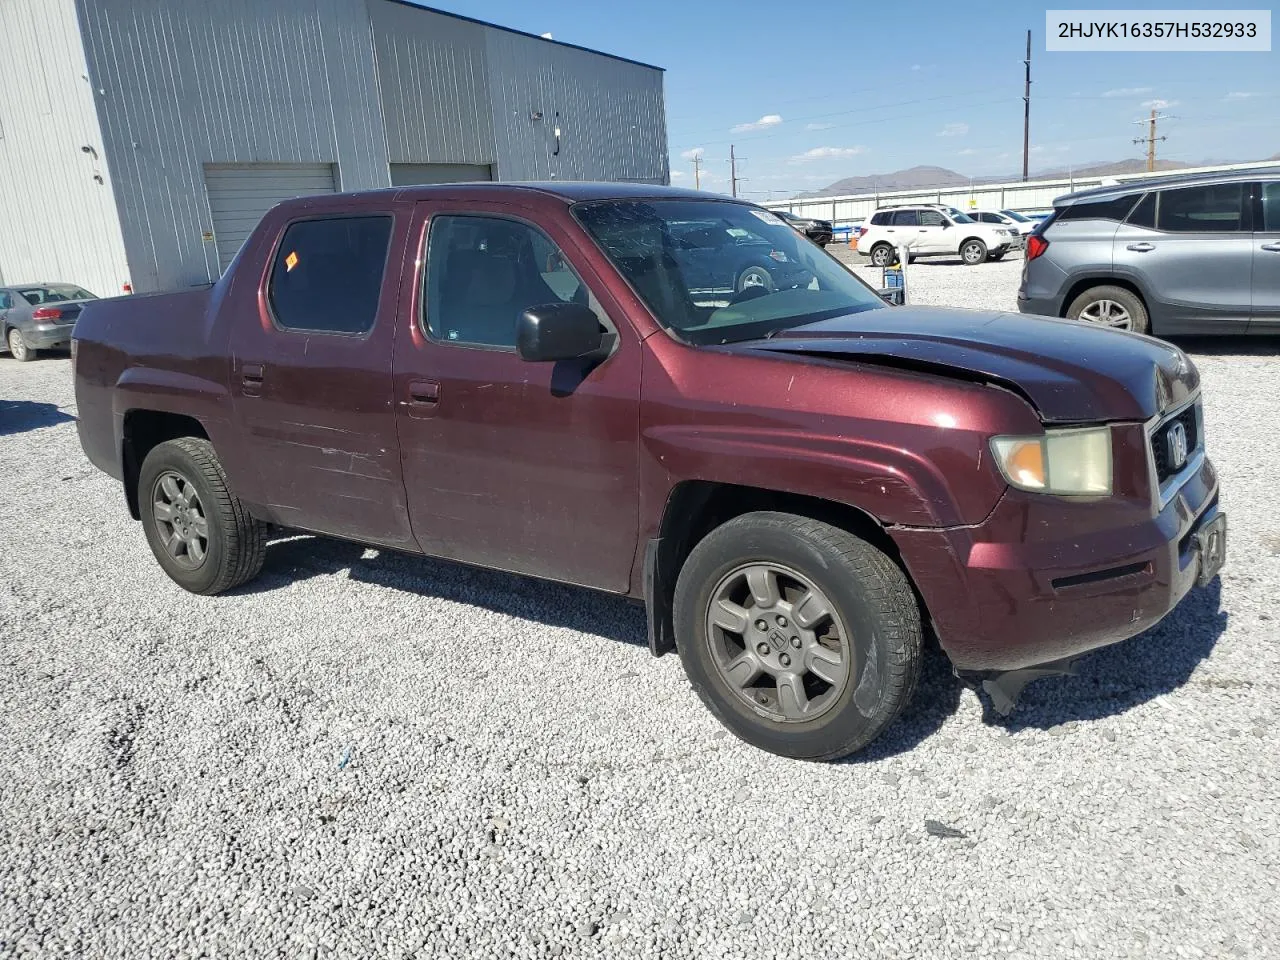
(715, 271)
(959, 216)
(55, 293)
(1015, 215)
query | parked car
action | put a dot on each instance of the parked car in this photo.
(793, 482)
(1198, 253)
(819, 231)
(931, 230)
(719, 256)
(39, 316)
(1018, 229)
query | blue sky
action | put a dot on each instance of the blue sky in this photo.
(809, 92)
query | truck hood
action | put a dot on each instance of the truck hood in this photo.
(1071, 372)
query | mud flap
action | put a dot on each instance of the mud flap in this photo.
(1004, 687)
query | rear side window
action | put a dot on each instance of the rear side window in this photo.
(1144, 214)
(1116, 209)
(1217, 208)
(327, 274)
(905, 218)
(1271, 205)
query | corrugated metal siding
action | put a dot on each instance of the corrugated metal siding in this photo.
(408, 174)
(56, 221)
(610, 113)
(192, 82)
(434, 84)
(240, 193)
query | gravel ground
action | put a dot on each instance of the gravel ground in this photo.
(335, 762)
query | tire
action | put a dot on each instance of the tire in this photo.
(882, 255)
(234, 545)
(1115, 307)
(18, 348)
(973, 252)
(873, 624)
(754, 276)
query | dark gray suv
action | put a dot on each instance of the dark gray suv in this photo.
(1198, 253)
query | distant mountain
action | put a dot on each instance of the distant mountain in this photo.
(911, 179)
(1113, 168)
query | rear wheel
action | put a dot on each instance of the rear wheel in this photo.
(801, 638)
(18, 347)
(882, 255)
(1110, 306)
(973, 252)
(197, 528)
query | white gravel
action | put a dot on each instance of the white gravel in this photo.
(371, 755)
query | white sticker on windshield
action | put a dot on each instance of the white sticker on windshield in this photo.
(768, 218)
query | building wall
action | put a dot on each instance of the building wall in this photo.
(190, 82)
(56, 221)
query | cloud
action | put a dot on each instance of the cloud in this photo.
(764, 123)
(695, 154)
(818, 126)
(1239, 95)
(954, 130)
(677, 174)
(1158, 104)
(967, 152)
(1127, 92)
(916, 66)
(547, 36)
(827, 153)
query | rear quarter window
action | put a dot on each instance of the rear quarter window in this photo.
(1116, 209)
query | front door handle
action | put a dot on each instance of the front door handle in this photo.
(424, 397)
(1143, 247)
(1271, 247)
(251, 377)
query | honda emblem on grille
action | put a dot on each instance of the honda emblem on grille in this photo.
(1176, 445)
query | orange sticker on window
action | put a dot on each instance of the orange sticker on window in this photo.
(290, 261)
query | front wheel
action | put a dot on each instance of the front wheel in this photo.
(18, 347)
(197, 528)
(801, 638)
(973, 252)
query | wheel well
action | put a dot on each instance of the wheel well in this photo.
(143, 430)
(696, 507)
(967, 239)
(1080, 286)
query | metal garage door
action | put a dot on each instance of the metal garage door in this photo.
(407, 174)
(240, 193)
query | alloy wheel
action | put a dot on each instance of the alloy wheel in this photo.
(180, 519)
(1108, 313)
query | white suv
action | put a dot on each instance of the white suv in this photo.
(931, 230)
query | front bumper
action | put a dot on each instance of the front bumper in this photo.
(1042, 580)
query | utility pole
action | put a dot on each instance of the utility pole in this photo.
(1151, 138)
(733, 172)
(697, 173)
(1026, 111)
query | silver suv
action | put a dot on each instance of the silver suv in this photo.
(1179, 255)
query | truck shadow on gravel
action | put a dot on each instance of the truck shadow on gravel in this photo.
(19, 416)
(297, 557)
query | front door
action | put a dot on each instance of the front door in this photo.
(935, 234)
(311, 377)
(527, 467)
(1266, 260)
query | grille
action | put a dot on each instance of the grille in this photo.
(1190, 420)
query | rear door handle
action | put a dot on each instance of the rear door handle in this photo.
(1143, 247)
(1271, 247)
(251, 377)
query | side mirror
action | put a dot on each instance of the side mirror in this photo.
(946, 224)
(557, 331)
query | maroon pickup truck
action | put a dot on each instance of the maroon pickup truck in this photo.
(679, 399)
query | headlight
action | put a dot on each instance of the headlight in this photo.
(1067, 462)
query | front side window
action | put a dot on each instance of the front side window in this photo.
(483, 272)
(930, 218)
(1216, 208)
(6, 301)
(327, 274)
(773, 280)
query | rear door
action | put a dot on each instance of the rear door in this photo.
(1266, 259)
(1190, 250)
(311, 371)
